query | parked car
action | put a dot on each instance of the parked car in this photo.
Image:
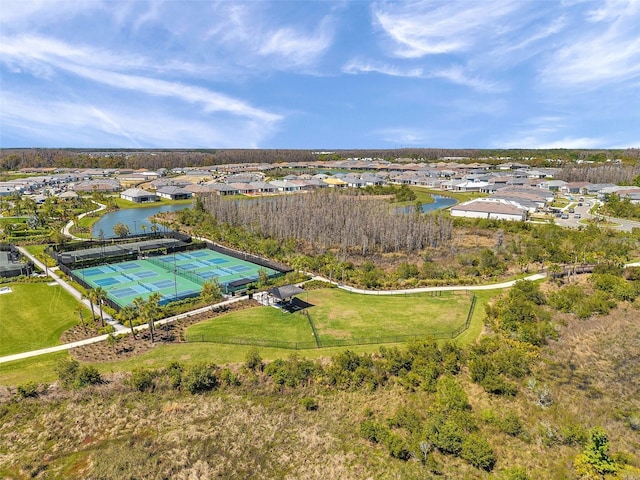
(577, 215)
(565, 216)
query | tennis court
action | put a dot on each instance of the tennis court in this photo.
(174, 276)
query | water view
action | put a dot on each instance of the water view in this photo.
(438, 203)
(137, 219)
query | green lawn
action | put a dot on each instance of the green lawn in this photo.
(266, 323)
(341, 315)
(34, 316)
(338, 314)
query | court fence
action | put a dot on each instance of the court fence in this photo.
(263, 262)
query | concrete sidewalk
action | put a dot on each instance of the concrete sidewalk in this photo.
(450, 288)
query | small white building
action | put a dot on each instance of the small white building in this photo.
(492, 209)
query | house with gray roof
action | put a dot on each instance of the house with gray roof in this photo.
(138, 195)
(174, 192)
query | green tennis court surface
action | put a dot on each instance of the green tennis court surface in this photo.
(174, 276)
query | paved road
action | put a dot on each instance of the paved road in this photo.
(584, 211)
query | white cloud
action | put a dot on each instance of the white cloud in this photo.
(40, 55)
(458, 75)
(296, 47)
(454, 74)
(40, 52)
(86, 124)
(609, 51)
(429, 28)
(360, 66)
(534, 142)
(248, 30)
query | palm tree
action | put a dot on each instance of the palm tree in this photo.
(127, 314)
(79, 309)
(91, 295)
(142, 310)
(153, 310)
(100, 295)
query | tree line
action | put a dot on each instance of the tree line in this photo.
(13, 159)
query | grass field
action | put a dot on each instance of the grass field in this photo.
(34, 316)
(340, 315)
(256, 323)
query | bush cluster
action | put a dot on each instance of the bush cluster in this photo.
(74, 375)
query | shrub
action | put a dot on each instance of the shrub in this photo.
(229, 378)
(253, 360)
(28, 390)
(142, 379)
(87, 375)
(200, 378)
(309, 404)
(174, 373)
(448, 438)
(397, 446)
(510, 425)
(67, 370)
(374, 431)
(477, 451)
(595, 461)
(406, 418)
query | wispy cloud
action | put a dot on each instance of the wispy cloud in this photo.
(361, 66)
(118, 125)
(42, 55)
(549, 131)
(454, 74)
(608, 51)
(429, 28)
(458, 75)
(247, 29)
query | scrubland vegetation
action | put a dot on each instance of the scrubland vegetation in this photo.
(542, 394)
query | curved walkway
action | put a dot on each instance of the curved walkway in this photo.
(444, 288)
(66, 230)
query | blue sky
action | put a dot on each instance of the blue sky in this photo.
(320, 75)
